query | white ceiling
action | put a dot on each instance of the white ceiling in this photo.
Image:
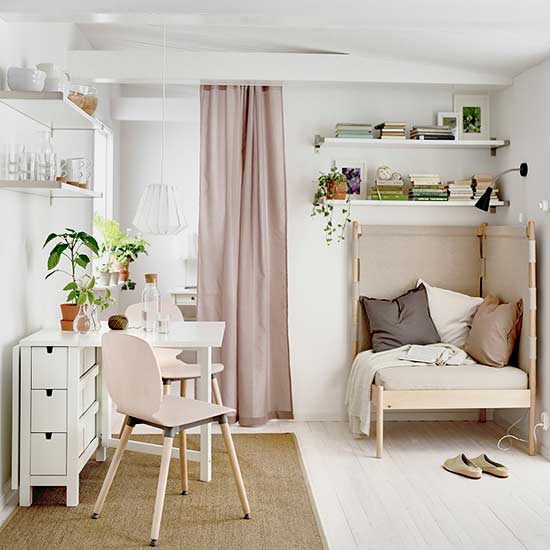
(498, 36)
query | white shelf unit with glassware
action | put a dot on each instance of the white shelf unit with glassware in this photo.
(55, 112)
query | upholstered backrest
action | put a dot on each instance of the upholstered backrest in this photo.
(133, 312)
(508, 254)
(390, 259)
(132, 373)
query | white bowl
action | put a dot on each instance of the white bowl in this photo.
(26, 80)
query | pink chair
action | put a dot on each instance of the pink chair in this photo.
(172, 369)
(134, 382)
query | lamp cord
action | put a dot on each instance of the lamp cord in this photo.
(509, 435)
(163, 104)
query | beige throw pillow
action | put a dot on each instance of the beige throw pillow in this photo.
(494, 332)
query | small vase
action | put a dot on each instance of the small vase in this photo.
(114, 278)
(82, 322)
(94, 316)
(104, 278)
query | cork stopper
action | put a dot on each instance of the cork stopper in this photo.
(150, 277)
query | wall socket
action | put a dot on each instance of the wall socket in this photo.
(545, 419)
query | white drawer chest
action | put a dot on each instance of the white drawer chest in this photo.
(55, 416)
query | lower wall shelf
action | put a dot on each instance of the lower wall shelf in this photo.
(51, 189)
(412, 204)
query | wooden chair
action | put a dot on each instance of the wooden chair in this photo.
(173, 370)
(134, 382)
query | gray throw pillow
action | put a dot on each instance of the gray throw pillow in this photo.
(404, 320)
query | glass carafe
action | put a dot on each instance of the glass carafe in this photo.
(150, 303)
(83, 322)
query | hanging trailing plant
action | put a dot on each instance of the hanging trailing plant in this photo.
(332, 186)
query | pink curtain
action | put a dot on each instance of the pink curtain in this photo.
(242, 245)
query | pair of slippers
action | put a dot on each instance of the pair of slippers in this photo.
(474, 467)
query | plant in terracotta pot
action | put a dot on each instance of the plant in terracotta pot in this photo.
(126, 251)
(330, 187)
(71, 245)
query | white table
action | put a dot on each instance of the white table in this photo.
(57, 370)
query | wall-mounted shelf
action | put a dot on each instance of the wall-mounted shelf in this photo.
(51, 189)
(50, 109)
(492, 144)
(422, 204)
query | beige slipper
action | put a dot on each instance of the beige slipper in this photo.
(490, 466)
(462, 466)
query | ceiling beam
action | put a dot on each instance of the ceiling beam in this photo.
(144, 66)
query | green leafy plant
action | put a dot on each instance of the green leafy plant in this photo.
(103, 302)
(128, 285)
(323, 204)
(71, 246)
(129, 248)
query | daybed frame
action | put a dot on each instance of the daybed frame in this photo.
(501, 260)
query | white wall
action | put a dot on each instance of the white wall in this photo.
(140, 149)
(28, 301)
(522, 113)
(319, 276)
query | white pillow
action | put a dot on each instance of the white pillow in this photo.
(452, 313)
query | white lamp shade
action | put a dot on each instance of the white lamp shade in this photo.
(159, 212)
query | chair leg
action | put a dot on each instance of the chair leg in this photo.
(184, 475)
(379, 421)
(122, 427)
(166, 387)
(216, 391)
(161, 488)
(230, 448)
(112, 470)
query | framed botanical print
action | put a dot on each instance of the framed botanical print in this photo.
(473, 111)
(356, 174)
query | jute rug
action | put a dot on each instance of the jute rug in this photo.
(208, 518)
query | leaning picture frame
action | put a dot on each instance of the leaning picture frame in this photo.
(356, 174)
(474, 116)
(451, 120)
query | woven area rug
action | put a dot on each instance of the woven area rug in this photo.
(209, 517)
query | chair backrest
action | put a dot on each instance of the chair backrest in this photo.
(132, 373)
(133, 312)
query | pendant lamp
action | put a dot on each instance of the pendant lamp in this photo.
(159, 211)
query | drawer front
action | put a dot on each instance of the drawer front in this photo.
(49, 411)
(87, 430)
(48, 454)
(186, 300)
(87, 392)
(49, 367)
(88, 360)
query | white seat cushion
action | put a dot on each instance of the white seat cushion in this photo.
(463, 377)
(179, 411)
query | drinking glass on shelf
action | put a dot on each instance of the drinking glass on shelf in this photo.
(12, 160)
(163, 323)
(27, 166)
(47, 166)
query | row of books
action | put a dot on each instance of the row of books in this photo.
(354, 130)
(433, 133)
(388, 190)
(427, 187)
(392, 130)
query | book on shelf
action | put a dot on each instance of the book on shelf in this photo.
(354, 126)
(430, 199)
(390, 124)
(382, 197)
(427, 137)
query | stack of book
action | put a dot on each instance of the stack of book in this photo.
(481, 182)
(354, 130)
(392, 130)
(388, 190)
(427, 187)
(432, 133)
(460, 190)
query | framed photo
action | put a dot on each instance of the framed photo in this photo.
(474, 116)
(452, 120)
(356, 174)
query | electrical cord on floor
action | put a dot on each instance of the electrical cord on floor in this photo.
(508, 435)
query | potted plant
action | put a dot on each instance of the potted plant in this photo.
(126, 251)
(104, 271)
(71, 245)
(332, 186)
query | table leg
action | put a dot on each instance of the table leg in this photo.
(204, 356)
(104, 418)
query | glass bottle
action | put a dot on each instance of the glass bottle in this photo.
(150, 303)
(82, 322)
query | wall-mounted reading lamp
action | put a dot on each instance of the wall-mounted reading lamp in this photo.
(484, 202)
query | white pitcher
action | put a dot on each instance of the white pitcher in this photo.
(55, 77)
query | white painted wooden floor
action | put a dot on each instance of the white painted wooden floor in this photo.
(407, 501)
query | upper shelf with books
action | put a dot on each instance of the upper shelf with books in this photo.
(492, 144)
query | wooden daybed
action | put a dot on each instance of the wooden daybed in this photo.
(388, 260)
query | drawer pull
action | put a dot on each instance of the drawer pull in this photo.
(49, 393)
(49, 349)
(48, 435)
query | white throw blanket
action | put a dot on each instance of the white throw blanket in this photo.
(368, 363)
